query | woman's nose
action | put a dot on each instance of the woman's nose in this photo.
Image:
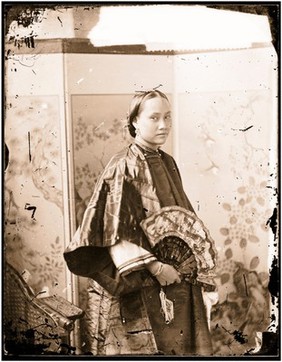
(163, 123)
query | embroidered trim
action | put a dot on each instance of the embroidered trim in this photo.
(136, 263)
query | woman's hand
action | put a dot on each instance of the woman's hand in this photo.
(165, 274)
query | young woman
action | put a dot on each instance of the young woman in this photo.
(147, 255)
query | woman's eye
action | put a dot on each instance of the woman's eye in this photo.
(154, 118)
(168, 118)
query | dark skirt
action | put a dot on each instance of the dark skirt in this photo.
(188, 333)
(133, 324)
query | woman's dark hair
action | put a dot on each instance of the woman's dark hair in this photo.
(136, 104)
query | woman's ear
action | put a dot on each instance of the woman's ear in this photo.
(134, 122)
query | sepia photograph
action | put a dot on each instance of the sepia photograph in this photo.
(140, 163)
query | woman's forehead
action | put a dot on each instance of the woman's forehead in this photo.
(156, 104)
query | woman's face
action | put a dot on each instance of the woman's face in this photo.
(153, 122)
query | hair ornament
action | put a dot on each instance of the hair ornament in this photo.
(149, 90)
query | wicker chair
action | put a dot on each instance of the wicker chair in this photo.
(35, 325)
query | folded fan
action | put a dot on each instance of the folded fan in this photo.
(179, 237)
(174, 251)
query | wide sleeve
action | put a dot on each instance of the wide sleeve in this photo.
(113, 216)
(115, 210)
(129, 257)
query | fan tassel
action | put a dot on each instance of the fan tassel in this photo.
(166, 307)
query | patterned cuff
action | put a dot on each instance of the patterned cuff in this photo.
(129, 257)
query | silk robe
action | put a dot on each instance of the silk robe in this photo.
(112, 249)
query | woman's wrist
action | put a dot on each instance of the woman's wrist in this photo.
(159, 271)
(155, 267)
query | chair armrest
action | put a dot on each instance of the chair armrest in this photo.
(63, 306)
(61, 310)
